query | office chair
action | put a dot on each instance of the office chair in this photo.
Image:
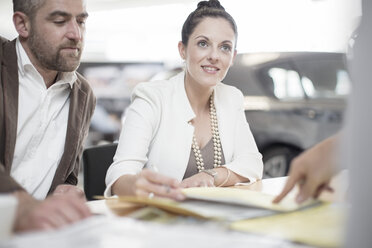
(96, 161)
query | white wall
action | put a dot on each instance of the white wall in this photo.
(136, 31)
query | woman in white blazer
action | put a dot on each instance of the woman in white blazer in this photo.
(190, 130)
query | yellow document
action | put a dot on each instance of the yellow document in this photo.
(190, 207)
(319, 226)
(119, 205)
(244, 197)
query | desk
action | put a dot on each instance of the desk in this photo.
(108, 230)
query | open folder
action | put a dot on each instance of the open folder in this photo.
(227, 204)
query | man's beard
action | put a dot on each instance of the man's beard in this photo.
(50, 57)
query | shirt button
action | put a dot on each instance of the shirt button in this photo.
(23, 182)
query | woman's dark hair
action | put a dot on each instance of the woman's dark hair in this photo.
(211, 8)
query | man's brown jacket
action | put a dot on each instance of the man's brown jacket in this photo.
(82, 103)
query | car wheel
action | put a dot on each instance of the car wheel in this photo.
(277, 160)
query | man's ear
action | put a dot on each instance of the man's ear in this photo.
(22, 24)
(182, 50)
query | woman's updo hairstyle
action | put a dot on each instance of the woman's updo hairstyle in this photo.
(211, 8)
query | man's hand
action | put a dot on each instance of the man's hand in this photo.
(54, 212)
(69, 189)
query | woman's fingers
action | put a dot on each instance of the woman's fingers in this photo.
(150, 182)
(157, 178)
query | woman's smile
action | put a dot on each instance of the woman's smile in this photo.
(210, 69)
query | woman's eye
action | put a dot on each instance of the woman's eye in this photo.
(226, 48)
(202, 43)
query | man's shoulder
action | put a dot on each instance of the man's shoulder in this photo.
(83, 84)
(84, 87)
(9, 45)
(2, 42)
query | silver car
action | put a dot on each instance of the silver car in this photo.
(292, 101)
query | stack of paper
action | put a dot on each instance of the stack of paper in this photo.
(245, 198)
(227, 204)
(254, 212)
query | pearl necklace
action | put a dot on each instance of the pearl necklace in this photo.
(216, 140)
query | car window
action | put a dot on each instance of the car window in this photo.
(321, 78)
(286, 83)
(324, 78)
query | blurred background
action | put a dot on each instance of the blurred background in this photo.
(292, 64)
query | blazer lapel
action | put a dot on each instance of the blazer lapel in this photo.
(185, 130)
(182, 100)
(73, 135)
(10, 86)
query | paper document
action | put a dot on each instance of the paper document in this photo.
(224, 211)
(195, 208)
(228, 204)
(244, 197)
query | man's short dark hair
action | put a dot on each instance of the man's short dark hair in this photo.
(28, 7)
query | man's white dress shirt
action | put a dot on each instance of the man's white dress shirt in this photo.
(41, 127)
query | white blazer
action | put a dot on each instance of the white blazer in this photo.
(156, 132)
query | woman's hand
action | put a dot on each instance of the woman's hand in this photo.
(150, 183)
(198, 180)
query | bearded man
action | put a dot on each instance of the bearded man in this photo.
(45, 110)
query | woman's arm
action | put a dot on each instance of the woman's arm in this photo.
(139, 125)
(126, 175)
